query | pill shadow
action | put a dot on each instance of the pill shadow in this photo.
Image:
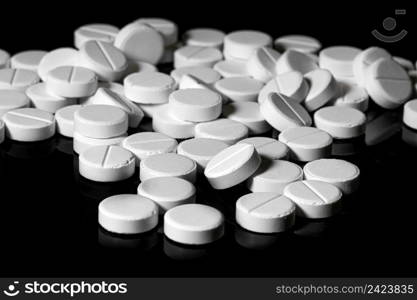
(28, 150)
(146, 241)
(259, 241)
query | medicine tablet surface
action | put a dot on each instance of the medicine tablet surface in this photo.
(29, 125)
(2, 131)
(205, 74)
(307, 143)
(228, 68)
(106, 163)
(128, 214)
(194, 224)
(300, 43)
(261, 63)
(28, 60)
(224, 130)
(232, 166)
(17, 79)
(57, 58)
(340, 173)
(166, 28)
(273, 176)
(204, 37)
(282, 112)
(239, 88)
(11, 100)
(194, 56)
(100, 121)
(267, 148)
(323, 88)
(82, 143)
(292, 60)
(338, 60)
(4, 59)
(95, 32)
(164, 122)
(168, 192)
(314, 199)
(351, 95)
(168, 165)
(65, 120)
(364, 59)
(41, 98)
(340, 122)
(241, 44)
(136, 66)
(265, 212)
(410, 114)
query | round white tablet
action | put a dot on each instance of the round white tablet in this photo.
(201, 150)
(11, 100)
(340, 173)
(41, 98)
(265, 212)
(314, 199)
(323, 88)
(282, 112)
(292, 60)
(268, 148)
(204, 37)
(28, 60)
(410, 114)
(127, 214)
(57, 58)
(17, 79)
(194, 224)
(195, 105)
(65, 120)
(2, 131)
(273, 176)
(149, 109)
(149, 87)
(291, 84)
(340, 122)
(205, 74)
(239, 88)
(140, 42)
(192, 82)
(100, 121)
(261, 63)
(82, 143)
(351, 95)
(224, 130)
(229, 68)
(241, 44)
(4, 59)
(144, 144)
(95, 32)
(29, 124)
(168, 192)
(166, 28)
(388, 83)
(136, 66)
(164, 122)
(300, 43)
(107, 61)
(106, 163)
(364, 59)
(247, 113)
(232, 166)
(195, 56)
(338, 60)
(307, 143)
(407, 64)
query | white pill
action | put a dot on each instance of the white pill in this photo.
(65, 120)
(136, 66)
(247, 113)
(95, 32)
(108, 97)
(282, 112)
(195, 105)
(410, 114)
(388, 83)
(201, 150)
(340, 173)
(29, 125)
(364, 59)
(168, 192)
(41, 98)
(205, 74)
(17, 79)
(164, 122)
(149, 87)
(100, 121)
(144, 144)
(407, 64)
(28, 60)
(192, 82)
(239, 88)
(338, 60)
(229, 68)
(300, 43)
(224, 130)
(114, 86)
(307, 143)
(107, 61)
(2, 131)
(57, 58)
(314, 199)
(232, 166)
(382, 127)
(241, 44)
(11, 100)
(166, 28)
(194, 224)
(267, 148)
(128, 214)
(168, 165)
(291, 84)
(292, 60)
(351, 95)
(340, 122)
(265, 212)
(204, 37)
(261, 63)
(149, 109)
(4, 59)
(194, 56)
(71, 82)
(323, 88)
(273, 176)
(82, 143)
(106, 163)
(140, 42)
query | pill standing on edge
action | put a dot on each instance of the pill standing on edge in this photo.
(323, 88)
(364, 59)
(261, 63)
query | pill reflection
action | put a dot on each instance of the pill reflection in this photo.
(29, 150)
(144, 242)
(64, 145)
(348, 147)
(256, 241)
(312, 228)
(409, 136)
(382, 127)
(183, 252)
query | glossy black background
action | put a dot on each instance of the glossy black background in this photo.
(48, 222)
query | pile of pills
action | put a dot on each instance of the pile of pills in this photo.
(237, 109)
